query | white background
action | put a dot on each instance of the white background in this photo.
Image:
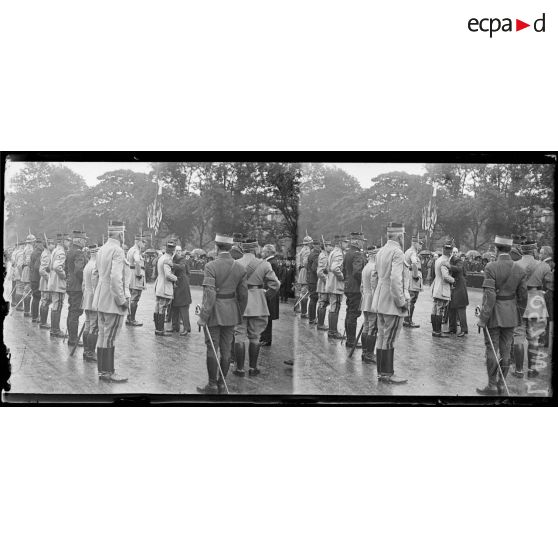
(276, 482)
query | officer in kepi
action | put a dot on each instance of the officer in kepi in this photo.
(225, 295)
(504, 287)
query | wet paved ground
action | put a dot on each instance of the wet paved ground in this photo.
(433, 366)
(159, 365)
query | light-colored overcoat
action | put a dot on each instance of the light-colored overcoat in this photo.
(164, 284)
(137, 268)
(258, 273)
(335, 283)
(441, 286)
(112, 289)
(368, 285)
(45, 263)
(57, 275)
(322, 272)
(390, 296)
(90, 281)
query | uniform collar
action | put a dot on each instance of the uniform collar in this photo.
(224, 255)
(504, 257)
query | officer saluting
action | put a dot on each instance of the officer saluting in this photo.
(504, 287)
(225, 295)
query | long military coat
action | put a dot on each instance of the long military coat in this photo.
(90, 281)
(335, 283)
(413, 262)
(112, 289)
(225, 292)
(75, 262)
(368, 285)
(35, 265)
(441, 286)
(137, 268)
(57, 275)
(459, 295)
(301, 261)
(43, 267)
(353, 263)
(321, 272)
(258, 273)
(164, 284)
(389, 296)
(504, 287)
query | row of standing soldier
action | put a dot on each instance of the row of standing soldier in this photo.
(387, 286)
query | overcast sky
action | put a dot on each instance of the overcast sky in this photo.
(364, 172)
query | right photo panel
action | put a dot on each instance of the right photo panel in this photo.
(425, 279)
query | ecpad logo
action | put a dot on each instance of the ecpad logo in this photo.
(493, 25)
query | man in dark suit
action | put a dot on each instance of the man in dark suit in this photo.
(75, 262)
(504, 287)
(353, 264)
(312, 279)
(225, 295)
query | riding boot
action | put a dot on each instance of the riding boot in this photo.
(27, 306)
(370, 346)
(379, 362)
(102, 367)
(350, 328)
(304, 308)
(240, 352)
(44, 317)
(35, 309)
(253, 353)
(85, 337)
(519, 357)
(55, 324)
(211, 387)
(363, 339)
(91, 344)
(434, 323)
(439, 327)
(233, 345)
(156, 322)
(332, 319)
(321, 313)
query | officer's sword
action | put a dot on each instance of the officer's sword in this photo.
(497, 361)
(21, 300)
(79, 337)
(356, 341)
(301, 299)
(206, 329)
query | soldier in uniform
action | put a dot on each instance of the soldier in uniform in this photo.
(135, 260)
(335, 287)
(321, 285)
(236, 250)
(370, 326)
(164, 291)
(412, 261)
(515, 252)
(546, 255)
(75, 262)
(353, 264)
(390, 301)
(57, 284)
(266, 338)
(24, 283)
(441, 290)
(225, 295)
(312, 280)
(504, 287)
(35, 278)
(14, 273)
(262, 286)
(302, 282)
(91, 326)
(44, 272)
(111, 299)
(534, 313)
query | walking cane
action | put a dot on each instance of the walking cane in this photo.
(206, 329)
(356, 341)
(497, 360)
(79, 337)
(21, 300)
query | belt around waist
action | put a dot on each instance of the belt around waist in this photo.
(134, 267)
(226, 295)
(505, 297)
(534, 288)
(255, 286)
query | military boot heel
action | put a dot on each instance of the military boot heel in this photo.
(519, 357)
(240, 353)
(253, 353)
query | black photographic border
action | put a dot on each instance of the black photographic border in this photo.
(286, 400)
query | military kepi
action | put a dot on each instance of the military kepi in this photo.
(395, 228)
(503, 240)
(223, 238)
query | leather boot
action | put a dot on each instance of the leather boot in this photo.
(112, 376)
(240, 352)
(55, 324)
(35, 309)
(333, 333)
(351, 335)
(304, 308)
(388, 375)
(211, 387)
(85, 345)
(519, 357)
(434, 325)
(44, 316)
(91, 344)
(27, 306)
(363, 339)
(321, 317)
(101, 364)
(379, 362)
(253, 353)
(312, 311)
(439, 332)
(370, 346)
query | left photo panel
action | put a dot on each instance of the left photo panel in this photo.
(163, 278)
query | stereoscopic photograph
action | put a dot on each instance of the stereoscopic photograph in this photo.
(282, 278)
